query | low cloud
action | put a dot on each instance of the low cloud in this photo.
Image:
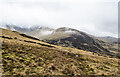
(99, 17)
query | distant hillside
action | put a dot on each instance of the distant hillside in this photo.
(109, 39)
(69, 37)
(26, 55)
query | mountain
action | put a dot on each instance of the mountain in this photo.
(69, 37)
(36, 31)
(26, 55)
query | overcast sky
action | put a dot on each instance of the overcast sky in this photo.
(96, 17)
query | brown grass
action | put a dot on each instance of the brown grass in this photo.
(36, 58)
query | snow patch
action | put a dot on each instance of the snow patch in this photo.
(70, 31)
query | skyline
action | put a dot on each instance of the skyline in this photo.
(99, 18)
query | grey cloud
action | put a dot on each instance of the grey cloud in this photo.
(91, 17)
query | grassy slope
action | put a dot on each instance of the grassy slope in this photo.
(23, 56)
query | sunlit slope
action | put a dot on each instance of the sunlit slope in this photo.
(24, 55)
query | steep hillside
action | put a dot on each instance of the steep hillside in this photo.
(25, 55)
(68, 37)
